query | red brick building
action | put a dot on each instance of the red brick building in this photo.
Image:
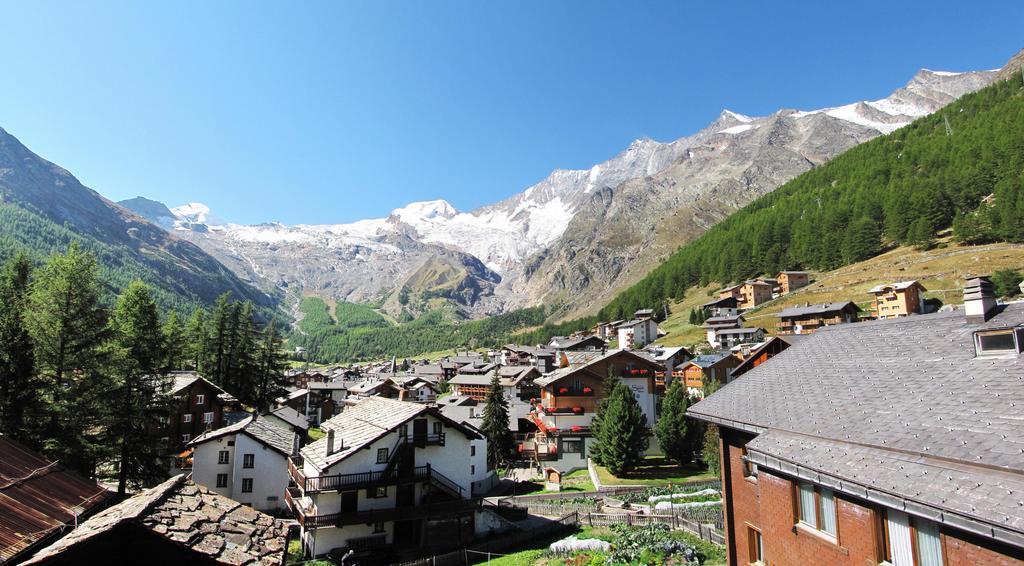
(889, 442)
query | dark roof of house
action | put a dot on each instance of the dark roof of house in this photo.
(537, 351)
(792, 273)
(581, 360)
(741, 331)
(724, 321)
(898, 286)
(189, 515)
(427, 369)
(723, 301)
(291, 416)
(265, 432)
(563, 343)
(708, 360)
(363, 423)
(822, 309)
(38, 498)
(908, 395)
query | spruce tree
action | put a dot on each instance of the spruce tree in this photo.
(242, 352)
(20, 393)
(175, 343)
(218, 341)
(623, 434)
(140, 387)
(68, 328)
(863, 240)
(198, 341)
(673, 428)
(610, 382)
(495, 425)
(271, 364)
(711, 450)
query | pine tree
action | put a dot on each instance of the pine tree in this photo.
(20, 393)
(69, 331)
(711, 451)
(673, 429)
(175, 343)
(863, 240)
(610, 382)
(140, 387)
(921, 234)
(271, 363)
(623, 434)
(218, 341)
(693, 315)
(495, 425)
(242, 352)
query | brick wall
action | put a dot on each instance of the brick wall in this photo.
(769, 505)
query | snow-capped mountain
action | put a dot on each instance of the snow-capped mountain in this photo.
(577, 234)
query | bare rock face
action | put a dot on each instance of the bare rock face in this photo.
(578, 236)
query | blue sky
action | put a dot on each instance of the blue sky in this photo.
(333, 111)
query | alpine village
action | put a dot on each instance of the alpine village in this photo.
(825, 367)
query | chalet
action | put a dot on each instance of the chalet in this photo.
(416, 388)
(727, 338)
(569, 397)
(176, 522)
(753, 293)
(809, 318)
(325, 400)
(733, 291)
(301, 378)
(378, 386)
(671, 357)
(790, 281)
(518, 385)
(198, 405)
(723, 306)
(885, 442)
(542, 357)
(764, 352)
(703, 369)
(247, 462)
(577, 343)
(388, 476)
(462, 409)
(606, 330)
(716, 324)
(897, 299)
(38, 499)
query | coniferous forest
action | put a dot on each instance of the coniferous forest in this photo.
(84, 377)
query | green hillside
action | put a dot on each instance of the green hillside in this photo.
(899, 189)
(357, 332)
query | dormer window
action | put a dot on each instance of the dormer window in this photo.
(997, 342)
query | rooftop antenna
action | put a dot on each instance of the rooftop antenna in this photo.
(949, 129)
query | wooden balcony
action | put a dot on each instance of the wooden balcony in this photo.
(421, 511)
(342, 482)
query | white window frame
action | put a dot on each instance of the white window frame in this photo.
(823, 505)
(200, 398)
(223, 457)
(186, 418)
(208, 417)
(224, 483)
(186, 437)
(249, 482)
(248, 461)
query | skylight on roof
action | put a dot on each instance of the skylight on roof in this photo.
(999, 342)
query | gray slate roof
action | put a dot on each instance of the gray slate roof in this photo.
(825, 308)
(291, 416)
(213, 526)
(740, 331)
(910, 387)
(264, 431)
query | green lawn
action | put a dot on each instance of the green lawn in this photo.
(656, 471)
(537, 554)
(316, 433)
(578, 480)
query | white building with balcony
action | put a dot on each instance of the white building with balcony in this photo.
(388, 476)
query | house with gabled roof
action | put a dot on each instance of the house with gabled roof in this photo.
(389, 476)
(701, 370)
(569, 397)
(893, 300)
(198, 405)
(884, 442)
(790, 281)
(40, 500)
(809, 318)
(246, 461)
(176, 522)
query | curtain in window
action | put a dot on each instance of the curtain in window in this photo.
(807, 514)
(899, 538)
(929, 545)
(828, 511)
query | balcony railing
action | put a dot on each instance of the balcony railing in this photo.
(392, 514)
(361, 480)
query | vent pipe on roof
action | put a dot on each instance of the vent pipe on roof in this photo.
(979, 300)
(330, 441)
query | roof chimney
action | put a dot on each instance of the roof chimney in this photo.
(979, 300)
(330, 441)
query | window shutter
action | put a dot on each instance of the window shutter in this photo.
(899, 538)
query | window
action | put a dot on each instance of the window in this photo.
(472, 470)
(817, 508)
(909, 540)
(186, 437)
(222, 457)
(382, 455)
(995, 342)
(403, 430)
(222, 480)
(200, 398)
(208, 418)
(246, 485)
(377, 492)
(755, 546)
(437, 428)
(248, 460)
(572, 446)
(186, 418)
(472, 450)
(378, 528)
